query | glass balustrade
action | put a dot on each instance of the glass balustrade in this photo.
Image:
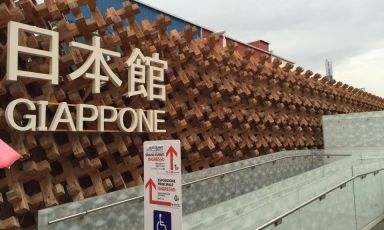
(352, 205)
(257, 207)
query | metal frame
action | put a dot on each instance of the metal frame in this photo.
(188, 184)
(278, 220)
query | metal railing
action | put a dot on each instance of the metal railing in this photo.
(83, 213)
(278, 220)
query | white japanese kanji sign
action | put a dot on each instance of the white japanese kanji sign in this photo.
(13, 50)
(146, 70)
(96, 59)
(145, 74)
(162, 177)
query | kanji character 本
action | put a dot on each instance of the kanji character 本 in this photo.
(146, 70)
(96, 59)
(14, 49)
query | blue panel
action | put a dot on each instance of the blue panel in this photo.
(145, 13)
(151, 15)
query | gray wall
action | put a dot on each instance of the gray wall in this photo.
(355, 130)
(195, 197)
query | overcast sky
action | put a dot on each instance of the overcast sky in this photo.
(350, 33)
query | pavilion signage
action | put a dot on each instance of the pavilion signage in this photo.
(145, 78)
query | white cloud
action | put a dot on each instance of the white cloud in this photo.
(364, 71)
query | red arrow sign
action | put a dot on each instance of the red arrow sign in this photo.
(171, 151)
(151, 185)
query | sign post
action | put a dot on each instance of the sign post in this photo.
(162, 178)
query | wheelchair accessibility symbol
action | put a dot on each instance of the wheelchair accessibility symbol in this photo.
(162, 220)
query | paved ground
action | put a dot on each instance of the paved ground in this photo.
(379, 226)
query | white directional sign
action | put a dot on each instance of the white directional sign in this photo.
(162, 178)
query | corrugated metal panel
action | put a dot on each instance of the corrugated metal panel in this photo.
(150, 13)
(145, 13)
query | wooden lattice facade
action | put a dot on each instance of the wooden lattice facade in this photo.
(223, 106)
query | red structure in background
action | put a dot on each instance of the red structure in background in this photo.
(260, 44)
(260, 47)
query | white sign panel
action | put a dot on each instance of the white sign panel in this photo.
(162, 177)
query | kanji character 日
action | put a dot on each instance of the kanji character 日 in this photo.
(14, 49)
(96, 59)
